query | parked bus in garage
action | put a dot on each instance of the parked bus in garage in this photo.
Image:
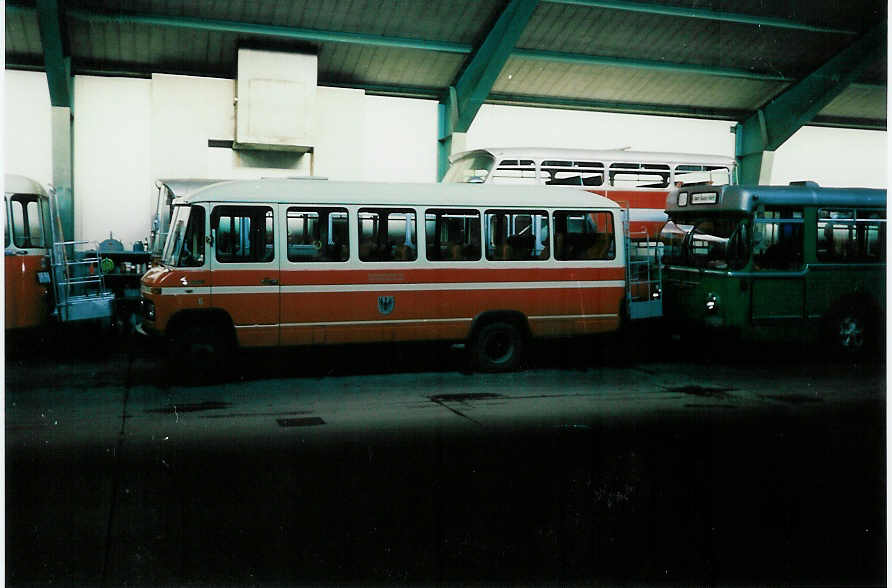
(27, 244)
(288, 262)
(637, 180)
(778, 262)
(49, 279)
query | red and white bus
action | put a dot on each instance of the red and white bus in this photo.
(294, 262)
(27, 244)
(638, 180)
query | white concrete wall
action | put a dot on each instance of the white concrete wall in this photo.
(512, 126)
(112, 158)
(401, 140)
(128, 132)
(27, 134)
(833, 157)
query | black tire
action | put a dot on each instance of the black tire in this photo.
(497, 347)
(199, 352)
(851, 331)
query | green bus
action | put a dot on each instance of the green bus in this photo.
(777, 263)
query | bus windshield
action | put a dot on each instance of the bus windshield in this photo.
(185, 242)
(472, 169)
(715, 242)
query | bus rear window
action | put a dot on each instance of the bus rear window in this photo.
(27, 222)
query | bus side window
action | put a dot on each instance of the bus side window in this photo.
(514, 171)
(583, 235)
(387, 234)
(572, 173)
(639, 175)
(317, 234)
(516, 235)
(777, 243)
(846, 235)
(244, 234)
(452, 235)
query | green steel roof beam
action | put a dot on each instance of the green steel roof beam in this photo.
(475, 82)
(797, 106)
(581, 59)
(679, 110)
(704, 14)
(56, 62)
(267, 30)
(768, 129)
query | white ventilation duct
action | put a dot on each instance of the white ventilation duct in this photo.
(275, 100)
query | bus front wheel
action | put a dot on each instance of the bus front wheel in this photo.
(850, 331)
(497, 347)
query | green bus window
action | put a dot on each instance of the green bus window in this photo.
(777, 240)
(850, 236)
(715, 242)
(452, 235)
(583, 235)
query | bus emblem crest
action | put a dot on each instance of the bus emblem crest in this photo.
(385, 304)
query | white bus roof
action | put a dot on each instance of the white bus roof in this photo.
(296, 191)
(14, 184)
(606, 155)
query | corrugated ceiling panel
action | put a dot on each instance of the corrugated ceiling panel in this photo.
(631, 35)
(339, 63)
(461, 21)
(601, 83)
(23, 34)
(852, 14)
(858, 102)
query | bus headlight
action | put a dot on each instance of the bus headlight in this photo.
(148, 309)
(712, 303)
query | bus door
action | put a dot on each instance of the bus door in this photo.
(778, 282)
(26, 244)
(245, 271)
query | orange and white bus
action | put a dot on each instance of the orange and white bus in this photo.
(638, 180)
(294, 262)
(27, 245)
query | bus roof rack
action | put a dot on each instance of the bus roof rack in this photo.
(806, 183)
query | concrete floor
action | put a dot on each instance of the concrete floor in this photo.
(393, 464)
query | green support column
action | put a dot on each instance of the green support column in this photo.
(458, 109)
(63, 168)
(762, 133)
(57, 64)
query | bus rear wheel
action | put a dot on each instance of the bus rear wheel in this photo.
(497, 347)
